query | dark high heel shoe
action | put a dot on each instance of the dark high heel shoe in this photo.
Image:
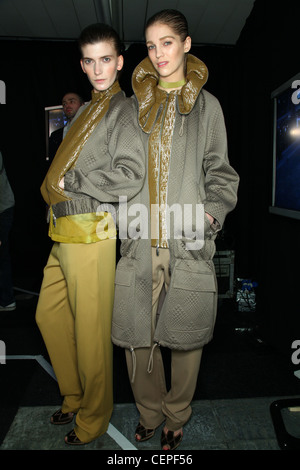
(72, 439)
(170, 441)
(144, 433)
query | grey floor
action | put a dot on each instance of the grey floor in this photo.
(243, 424)
(227, 424)
(215, 424)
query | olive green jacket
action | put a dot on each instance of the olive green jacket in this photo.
(110, 164)
(199, 174)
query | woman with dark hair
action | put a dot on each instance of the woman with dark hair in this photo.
(166, 291)
(97, 162)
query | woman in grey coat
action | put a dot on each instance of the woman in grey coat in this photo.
(165, 287)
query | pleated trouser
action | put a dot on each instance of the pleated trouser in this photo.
(74, 316)
(154, 402)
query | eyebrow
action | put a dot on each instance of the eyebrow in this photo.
(101, 57)
(161, 39)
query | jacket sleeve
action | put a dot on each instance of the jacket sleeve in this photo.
(221, 180)
(127, 172)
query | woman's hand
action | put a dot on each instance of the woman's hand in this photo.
(61, 184)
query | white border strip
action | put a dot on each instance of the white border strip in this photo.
(119, 438)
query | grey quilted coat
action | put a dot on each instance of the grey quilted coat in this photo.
(199, 173)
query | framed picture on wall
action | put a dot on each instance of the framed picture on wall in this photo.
(54, 120)
(286, 149)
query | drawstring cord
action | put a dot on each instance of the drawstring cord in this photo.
(150, 363)
(133, 364)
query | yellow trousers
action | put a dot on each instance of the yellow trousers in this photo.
(74, 316)
(154, 402)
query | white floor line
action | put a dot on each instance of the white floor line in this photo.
(21, 357)
(26, 291)
(46, 366)
(118, 437)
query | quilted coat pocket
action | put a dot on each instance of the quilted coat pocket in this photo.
(124, 295)
(188, 314)
(202, 281)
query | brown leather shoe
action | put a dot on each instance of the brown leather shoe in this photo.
(61, 418)
(72, 439)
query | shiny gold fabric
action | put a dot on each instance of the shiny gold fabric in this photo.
(82, 228)
(160, 144)
(72, 144)
(145, 79)
(157, 113)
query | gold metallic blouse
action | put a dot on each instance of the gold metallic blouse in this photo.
(160, 144)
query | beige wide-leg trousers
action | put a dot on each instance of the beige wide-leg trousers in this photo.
(74, 316)
(154, 402)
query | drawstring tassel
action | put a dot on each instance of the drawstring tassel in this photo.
(133, 364)
(150, 364)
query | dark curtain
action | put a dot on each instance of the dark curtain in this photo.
(38, 73)
(268, 245)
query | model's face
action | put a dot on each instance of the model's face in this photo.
(167, 51)
(71, 103)
(101, 64)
